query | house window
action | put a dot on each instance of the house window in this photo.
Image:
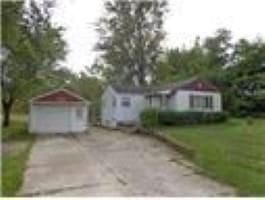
(202, 102)
(126, 101)
(79, 112)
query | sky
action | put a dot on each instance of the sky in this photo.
(185, 20)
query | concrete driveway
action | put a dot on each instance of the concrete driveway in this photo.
(112, 163)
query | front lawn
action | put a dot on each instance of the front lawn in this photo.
(13, 166)
(16, 147)
(232, 152)
(17, 129)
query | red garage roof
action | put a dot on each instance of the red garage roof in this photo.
(60, 95)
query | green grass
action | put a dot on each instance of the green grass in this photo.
(17, 129)
(13, 166)
(14, 161)
(232, 152)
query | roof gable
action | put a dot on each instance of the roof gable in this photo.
(58, 96)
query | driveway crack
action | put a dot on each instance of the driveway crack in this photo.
(58, 190)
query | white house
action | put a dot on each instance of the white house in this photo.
(58, 111)
(123, 105)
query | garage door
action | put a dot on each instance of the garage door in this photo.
(52, 119)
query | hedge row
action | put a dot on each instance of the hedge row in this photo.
(153, 117)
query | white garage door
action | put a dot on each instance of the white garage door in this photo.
(52, 119)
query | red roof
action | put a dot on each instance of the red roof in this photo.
(61, 95)
(200, 85)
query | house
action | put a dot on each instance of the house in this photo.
(122, 105)
(58, 111)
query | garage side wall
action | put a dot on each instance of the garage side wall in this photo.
(79, 118)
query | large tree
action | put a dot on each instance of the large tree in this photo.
(130, 36)
(31, 47)
(181, 63)
(219, 48)
(248, 81)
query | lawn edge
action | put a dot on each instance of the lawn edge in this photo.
(188, 152)
(26, 155)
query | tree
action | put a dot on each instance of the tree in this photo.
(218, 48)
(31, 47)
(130, 37)
(249, 75)
(91, 88)
(182, 63)
(238, 69)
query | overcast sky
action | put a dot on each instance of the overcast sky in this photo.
(185, 20)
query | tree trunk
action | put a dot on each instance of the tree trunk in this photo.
(6, 111)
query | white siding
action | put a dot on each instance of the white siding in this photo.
(57, 118)
(155, 102)
(131, 113)
(79, 123)
(111, 115)
(172, 103)
(181, 102)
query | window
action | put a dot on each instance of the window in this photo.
(79, 112)
(202, 102)
(125, 101)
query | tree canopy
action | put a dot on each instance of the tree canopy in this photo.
(31, 48)
(238, 69)
(130, 36)
(130, 39)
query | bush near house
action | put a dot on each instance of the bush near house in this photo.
(149, 117)
(154, 117)
(170, 117)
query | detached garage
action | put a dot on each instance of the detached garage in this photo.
(58, 111)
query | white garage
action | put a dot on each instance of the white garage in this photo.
(58, 111)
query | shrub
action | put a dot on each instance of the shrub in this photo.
(149, 117)
(169, 117)
(258, 115)
(215, 117)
